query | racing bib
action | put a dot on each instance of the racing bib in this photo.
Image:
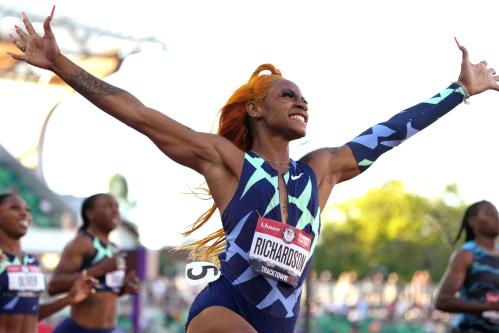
(115, 279)
(279, 251)
(25, 278)
(491, 297)
(491, 315)
(201, 272)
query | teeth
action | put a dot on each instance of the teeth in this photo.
(298, 117)
(24, 223)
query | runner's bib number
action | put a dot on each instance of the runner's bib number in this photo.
(25, 278)
(491, 315)
(279, 251)
(115, 279)
(200, 272)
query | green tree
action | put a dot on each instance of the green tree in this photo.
(392, 229)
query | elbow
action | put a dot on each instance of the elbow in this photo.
(442, 304)
(439, 305)
(52, 288)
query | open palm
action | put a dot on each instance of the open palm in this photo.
(39, 51)
(476, 77)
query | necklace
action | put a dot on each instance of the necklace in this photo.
(270, 161)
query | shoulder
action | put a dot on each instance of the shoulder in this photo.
(222, 152)
(328, 163)
(82, 243)
(462, 257)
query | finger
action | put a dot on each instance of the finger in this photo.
(496, 77)
(28, 25)
(492, 71)
(20, 57)
(484, 62)
(20, 45)
(46, 24)
(24, 37)
(84, 273)
(464, 51)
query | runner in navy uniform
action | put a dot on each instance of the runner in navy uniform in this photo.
(473, 273)
(270, 205)
(92, 252)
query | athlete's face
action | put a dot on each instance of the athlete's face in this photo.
(284, 110)
(15, 217)
(105, 213)
(486, 221)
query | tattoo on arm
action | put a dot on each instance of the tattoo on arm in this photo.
(90, 86)
(333, 150)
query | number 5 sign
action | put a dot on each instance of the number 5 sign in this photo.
(200, 272)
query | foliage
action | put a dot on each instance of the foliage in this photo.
(9, 182)
(391, 230)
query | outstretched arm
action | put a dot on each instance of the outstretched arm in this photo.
(199, 151)
(336, 165)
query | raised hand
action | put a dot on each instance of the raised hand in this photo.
(82, 288)
(131, 284)
(39, 51)
(476, 77)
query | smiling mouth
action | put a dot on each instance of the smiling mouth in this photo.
(299, 118)
(24, 223)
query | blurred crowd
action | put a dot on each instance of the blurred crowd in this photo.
(377, 303)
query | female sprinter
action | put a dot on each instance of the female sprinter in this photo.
(21, 277)
(270, 205)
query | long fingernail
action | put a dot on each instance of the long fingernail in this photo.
(52, 12)
(24, 15)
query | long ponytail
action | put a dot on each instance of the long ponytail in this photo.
(470, 212)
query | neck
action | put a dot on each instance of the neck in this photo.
(273, 150)
(487, 243)
(10, 245)
(97, 232)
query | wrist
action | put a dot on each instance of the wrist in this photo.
(94, 271)
(67, 299)
(58, 63)
(465, 91)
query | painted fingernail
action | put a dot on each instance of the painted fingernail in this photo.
(24, 15)
(52, 12)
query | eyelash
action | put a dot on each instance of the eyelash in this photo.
(288, 93)
(291, 94)
(19, 208)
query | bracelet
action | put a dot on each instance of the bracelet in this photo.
(464, 91)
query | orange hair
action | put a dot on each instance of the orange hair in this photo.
(233, 125)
